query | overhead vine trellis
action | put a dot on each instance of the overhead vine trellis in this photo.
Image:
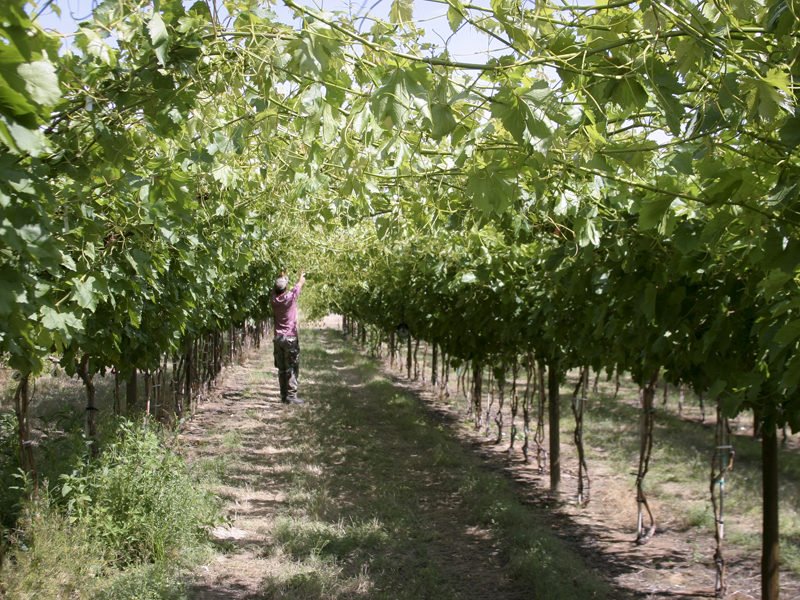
(625, 174)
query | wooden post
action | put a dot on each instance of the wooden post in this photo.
(26, 461)
(91, 426)
(554, 408)
(770, 555)
(434, 367)
(541, 453)
(187, 390)
(501, 398)
(117, 403)
(477, 381)
(148, 392)
(408, 357)
(131, 393)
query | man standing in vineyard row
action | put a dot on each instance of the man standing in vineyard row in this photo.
(287, 346)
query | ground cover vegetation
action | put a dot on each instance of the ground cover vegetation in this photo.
(363, 493)
(609, 436)
(510, 434)
(616, 189)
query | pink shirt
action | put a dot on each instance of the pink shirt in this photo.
(285, 309)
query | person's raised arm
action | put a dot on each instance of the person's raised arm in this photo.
(301, 282)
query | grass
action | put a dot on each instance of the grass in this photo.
(382, 502)
(50, 559)
(60, 547)
(678, 481)
(54, 559)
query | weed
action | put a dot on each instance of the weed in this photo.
(700, 516)
(139, 499)
(301, 537)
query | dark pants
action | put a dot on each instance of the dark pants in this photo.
(287, 360)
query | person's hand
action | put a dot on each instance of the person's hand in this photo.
(283, 272)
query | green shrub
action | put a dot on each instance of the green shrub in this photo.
(139, 499)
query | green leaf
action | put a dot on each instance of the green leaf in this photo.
(84, 294)
(330, 125)
(650, 21)
(790, 132)
(686, 239)
(779, 79)
(627, 92)
(66, 323)
(21, 138)
(774, 282)
(157, 30)
(444, 122)
(402, 11)
(491, 190)
(730, 405)
(455, 14)
(682, 163)
(161, 54)
(382, 225)
(393, 99)
(41, 82)
(586, 232)
(224, 174)
(716, 388)
(651, 213)
(766, 97)
(649, 304)
(690, 54)
(135, 317)
(523, 113)
(788, 333)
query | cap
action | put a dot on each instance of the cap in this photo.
(281, 283)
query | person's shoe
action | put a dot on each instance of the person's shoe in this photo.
(293, 401)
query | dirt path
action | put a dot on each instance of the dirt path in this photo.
(340, 498)
(239, 433)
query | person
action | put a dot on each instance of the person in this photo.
(286, 344)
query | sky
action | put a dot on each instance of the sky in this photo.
(466, 46)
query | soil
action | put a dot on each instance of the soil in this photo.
(673, 565)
